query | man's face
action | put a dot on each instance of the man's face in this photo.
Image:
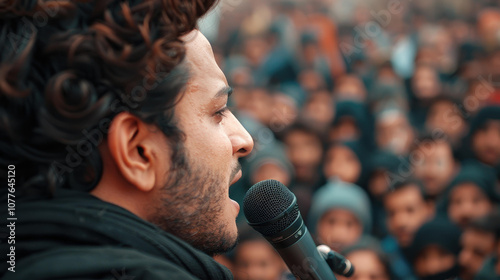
(339, 228)
(476, 247)
(196, 206)
(436, 167)
(406, 212)
(467, 202)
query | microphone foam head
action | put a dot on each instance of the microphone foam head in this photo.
(267, 200)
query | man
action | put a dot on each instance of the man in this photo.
(157, 195)
(406, 210)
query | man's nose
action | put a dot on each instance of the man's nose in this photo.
(241, 140)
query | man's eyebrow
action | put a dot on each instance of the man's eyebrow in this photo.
(227, 90)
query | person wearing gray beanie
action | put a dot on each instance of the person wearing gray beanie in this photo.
(339, 214)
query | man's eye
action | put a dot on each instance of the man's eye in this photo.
(222, 112)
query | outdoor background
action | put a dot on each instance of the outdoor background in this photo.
(377, 94)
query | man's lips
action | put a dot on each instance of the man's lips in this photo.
(236, 177)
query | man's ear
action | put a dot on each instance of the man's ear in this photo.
(132, 144)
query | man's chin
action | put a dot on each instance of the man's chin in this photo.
(226, 245)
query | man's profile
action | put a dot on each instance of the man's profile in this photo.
(114, 115)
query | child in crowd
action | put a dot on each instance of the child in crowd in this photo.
(470, 195)
(490, 269)
(484, 135)
(270, 162)
(433, 163)
(434, 250)
(352, 122)
(256, 259)
(344, 160)
(478, 242)
(305, 151)
(339, 214)
(368, 259)
(406, 210)
(383, 167)
(393, 130)
(445, 116)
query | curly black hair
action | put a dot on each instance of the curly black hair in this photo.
(68, 67)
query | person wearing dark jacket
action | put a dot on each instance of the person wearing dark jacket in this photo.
(110, 181)
(434, 250)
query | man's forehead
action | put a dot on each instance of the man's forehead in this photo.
(200, 57)
(196, 40)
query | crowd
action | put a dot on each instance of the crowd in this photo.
(383, 118)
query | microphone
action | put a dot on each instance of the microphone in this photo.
(272, 210)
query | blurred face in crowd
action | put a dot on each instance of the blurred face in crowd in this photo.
(433, 260)
(378, 183)
(258, 103)
(319, 108)
(435, 166)
(342, 162)
(466, 202)
(444, 115)
(311, 80)
(477, 91)
(257, 260)
(350, 88)
(476, 246)
(367, 265)
(255, 50)
(284, 112)
(486, 142)
(339, 228)
(406, 212)
(425, 82)
(394, 133)
(345, 129)
(305, 153)
(488, 26)
(310, 52)
(271, 170)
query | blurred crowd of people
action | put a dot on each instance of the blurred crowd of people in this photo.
(383, 118)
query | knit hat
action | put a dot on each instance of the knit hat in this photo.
(273, 152)
(340, 195)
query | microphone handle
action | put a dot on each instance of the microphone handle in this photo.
(304, 260)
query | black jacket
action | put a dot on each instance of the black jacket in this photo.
(78, 236)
